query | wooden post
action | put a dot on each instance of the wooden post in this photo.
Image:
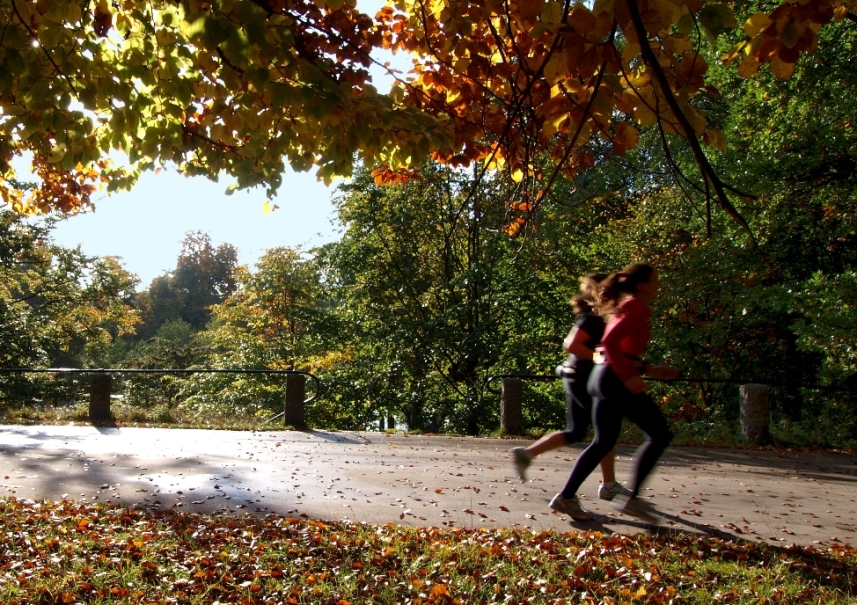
(295, 396)
(755, 413)
(99, 397)
(511, 396)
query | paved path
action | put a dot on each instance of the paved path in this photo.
(774, 496)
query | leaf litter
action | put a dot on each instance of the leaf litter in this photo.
(68, 552)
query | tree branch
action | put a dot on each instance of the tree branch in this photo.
(663, 84)
(45, 50)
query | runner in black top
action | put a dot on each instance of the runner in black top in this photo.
(580, 343)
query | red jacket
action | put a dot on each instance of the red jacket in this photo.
(628, 332)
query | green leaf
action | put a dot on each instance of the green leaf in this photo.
(552, 13)
(215, 32)
(715, 19)
(602, 6)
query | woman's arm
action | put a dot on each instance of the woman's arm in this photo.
(576, 343)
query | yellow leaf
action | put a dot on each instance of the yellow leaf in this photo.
(518, 175)
(553, 125)
(556, 68)
(582, 20)
(631, 136)
(780, 69)
(695, 116)
(749, 67)
(266, 207)
(462, 64)
(631, 50)
(453, 95)
(645, 116)
(641, 592)
(715, 138)
(756, 24)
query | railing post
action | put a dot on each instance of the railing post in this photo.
(755, 413)
(295, 395)
(511, 416)
(99, 396)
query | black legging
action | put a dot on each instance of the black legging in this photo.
(612, 402)
(578, 403)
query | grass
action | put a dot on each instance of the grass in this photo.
(160, 416)
(67, 552)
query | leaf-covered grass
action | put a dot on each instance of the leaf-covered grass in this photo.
(67, 552)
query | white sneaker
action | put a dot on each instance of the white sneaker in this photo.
(608, 493)
(521, 459)
(570, 507)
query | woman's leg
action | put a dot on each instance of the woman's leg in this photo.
(646, 414)
(607, 418)
(578, 423)
(581, 418)
(608, 467)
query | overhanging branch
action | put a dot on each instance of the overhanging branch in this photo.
(705, 167)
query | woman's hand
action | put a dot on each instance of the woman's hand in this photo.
(636, 385)
(664, 372)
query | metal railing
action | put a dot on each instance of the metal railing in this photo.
(179, 371)
(552, 377)
(754, 402)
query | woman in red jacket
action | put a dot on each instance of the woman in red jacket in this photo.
(618, 389)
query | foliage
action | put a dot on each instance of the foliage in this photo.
(228, 86)
(99, 554)
(466, 301)
(56, 305)
(204, 276)
(176, 345)
(270, 322)
(244, 87)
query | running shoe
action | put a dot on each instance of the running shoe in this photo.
(521, 460)
(608, 493)
(635, 507)
(570, 507)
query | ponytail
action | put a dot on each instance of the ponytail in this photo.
(618, 285)
(584, 302)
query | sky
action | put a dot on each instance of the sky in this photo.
(145, 227)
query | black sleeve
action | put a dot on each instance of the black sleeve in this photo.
(592, 325)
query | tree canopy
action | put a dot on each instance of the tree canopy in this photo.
(244, 87)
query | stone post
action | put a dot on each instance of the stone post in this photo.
(99, 397)
(295, 396)
(755, 413)
(511, 396)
